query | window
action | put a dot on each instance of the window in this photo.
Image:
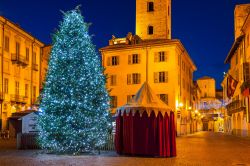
(34, 57)
(162, 57)
(161, 77)
(112, 80)
(6, 43)
(183, 65)
(26, 90)
(129, 97)
(113, 101)
(164, 98)
(134, 59)
(6, 86)
(34, 93)
(134, 78)
(17, 88)
(17, 49)
(150, 30)
(113, 61)
(27, 54)
(150, 6)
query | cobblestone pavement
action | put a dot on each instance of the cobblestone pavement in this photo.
(204, 148)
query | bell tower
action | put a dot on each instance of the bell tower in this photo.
(153, 19)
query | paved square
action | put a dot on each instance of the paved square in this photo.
(203, 148)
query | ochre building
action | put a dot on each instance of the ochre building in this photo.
(237, 119)
(20, 68)
(151, 55)
(210, 105)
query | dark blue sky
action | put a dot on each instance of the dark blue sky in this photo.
(205, 27)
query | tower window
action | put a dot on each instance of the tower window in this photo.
(150, 6)
(150, 30)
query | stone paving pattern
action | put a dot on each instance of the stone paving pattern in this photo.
(203, 148)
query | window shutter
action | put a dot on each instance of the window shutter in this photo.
(156, 58)
(246, 71)
(129, 59)
(129, 79)
(115, 103)
(167, 99)
(108, 61)
(139, 78)
(139, 58)
(114, 79)
(156, 77)
(166, 55)
(166, 76)
(118, 61)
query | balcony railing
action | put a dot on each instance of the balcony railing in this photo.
(19, 59)
(235, 106)
(35, 67)
(18, 99)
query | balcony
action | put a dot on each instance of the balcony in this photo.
(19, 99)
(19, 59)
(236, 106)
(35, 67)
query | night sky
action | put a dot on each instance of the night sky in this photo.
(205, 27)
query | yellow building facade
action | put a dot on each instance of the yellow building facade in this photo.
(237, 107)
(20, 65)
(151, 55)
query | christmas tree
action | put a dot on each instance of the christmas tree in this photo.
(75, 103)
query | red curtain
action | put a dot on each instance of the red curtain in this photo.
(146, 136)
(119, 134)
(173, 136)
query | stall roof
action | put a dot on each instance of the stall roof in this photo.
(18, 115)
(145, 100)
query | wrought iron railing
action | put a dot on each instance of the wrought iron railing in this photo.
(235, 106)
(19, 59)
(18, 99)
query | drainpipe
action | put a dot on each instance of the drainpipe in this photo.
(2, 73)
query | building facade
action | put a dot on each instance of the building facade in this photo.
(151, 55)
(20, 68)
(236, 80)
(210, 105)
